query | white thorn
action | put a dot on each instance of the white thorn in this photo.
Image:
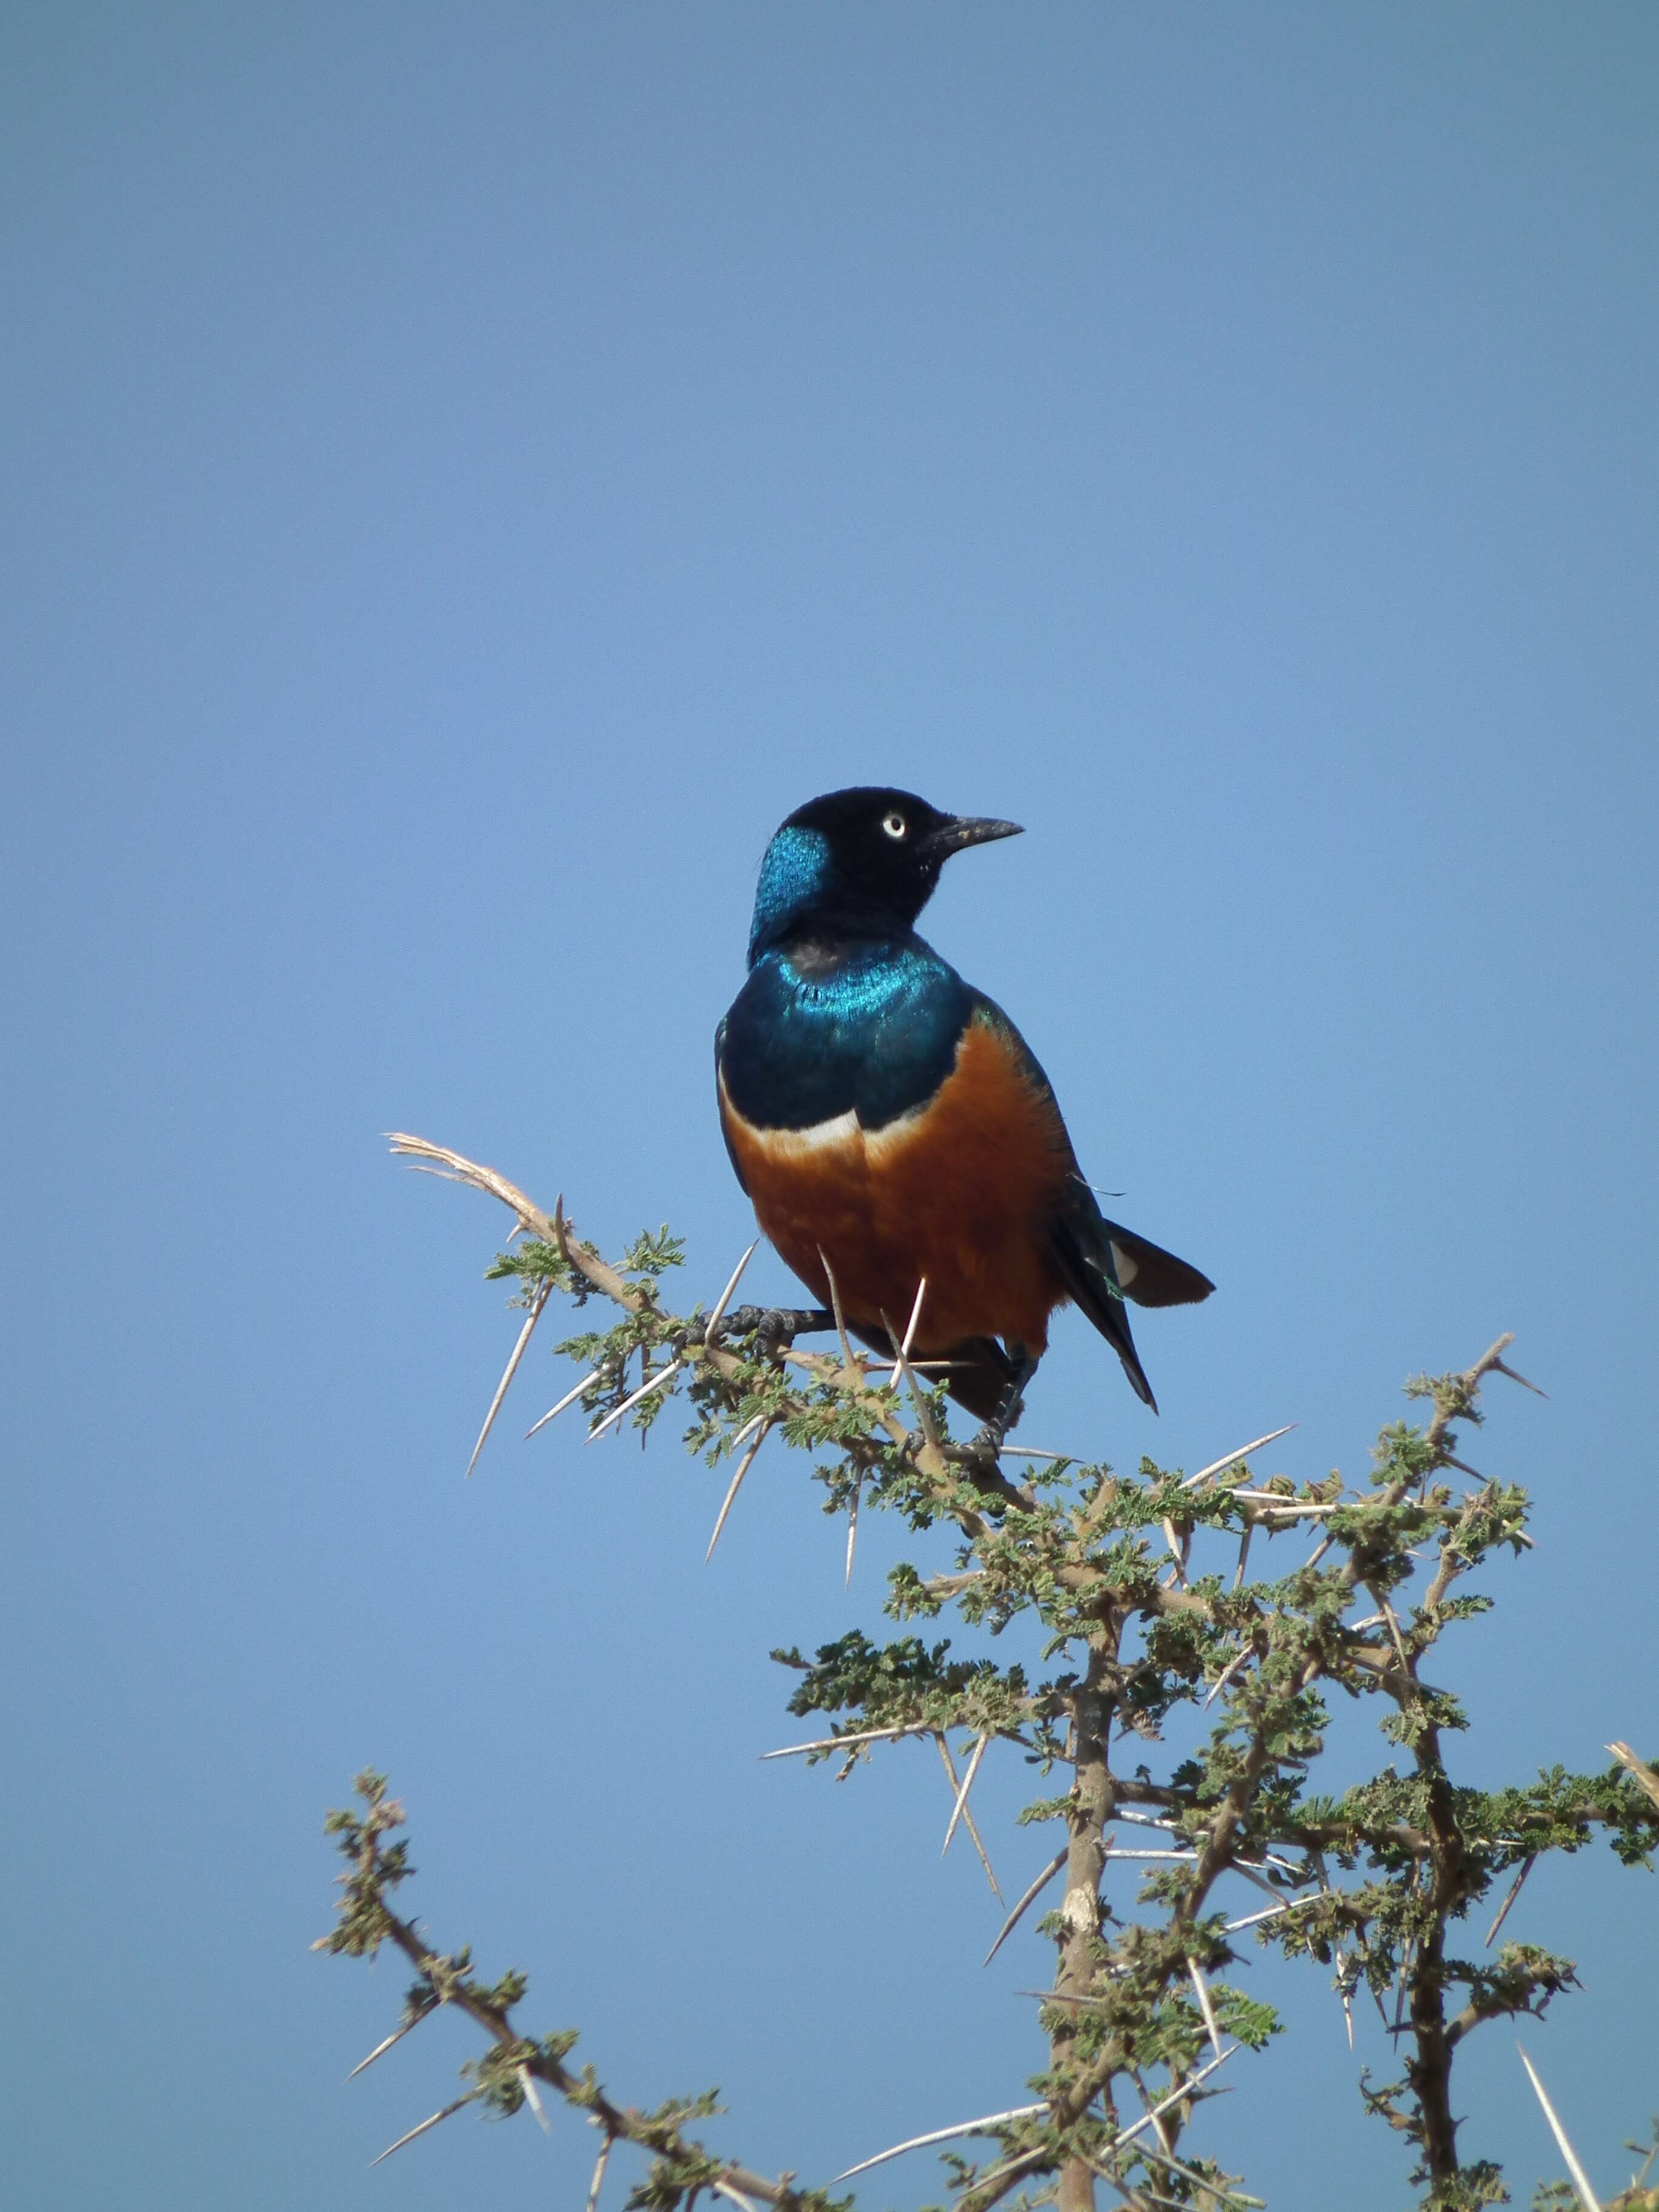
(568, 1399)
(425, 2124)
(1231, 1459)
(835, 1301)
(983, 2126)
(902, 1367)
(599, 2165)
(725, 1299)
(1149, 2119)
(396, 2036)
(1031, 1894)
(532, 2098)
(1270, 1912)
(1515, 1891)
(1295, 1507)
(958, 1809)
(840, 1742)
(967, 1811)
(1174, 1543)
(531, 1319)
(737, 1483)
(1227, 1674)
(915, 1315)
(1204, 2004)
(663, 1375)
(1587, 2196)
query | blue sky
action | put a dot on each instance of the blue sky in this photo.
(467, 474)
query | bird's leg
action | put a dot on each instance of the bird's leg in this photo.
(988, 1441)
(776, 1326)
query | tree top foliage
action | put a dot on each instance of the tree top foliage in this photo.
(1130, 1601)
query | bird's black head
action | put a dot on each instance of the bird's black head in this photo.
(860, 862)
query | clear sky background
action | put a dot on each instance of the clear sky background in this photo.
(467, 474)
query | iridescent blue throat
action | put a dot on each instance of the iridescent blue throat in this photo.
(872, 1026)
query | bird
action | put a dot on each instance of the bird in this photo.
(890, 1125)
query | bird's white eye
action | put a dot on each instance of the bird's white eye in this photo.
(895, 824)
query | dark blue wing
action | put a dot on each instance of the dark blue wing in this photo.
(1100, 1263)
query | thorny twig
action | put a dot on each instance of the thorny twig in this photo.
(1075, 1548)
(375, 1867)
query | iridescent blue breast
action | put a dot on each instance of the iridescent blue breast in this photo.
(870, 1028)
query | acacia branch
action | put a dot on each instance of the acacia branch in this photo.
(367, 1920)
(1074, 1549)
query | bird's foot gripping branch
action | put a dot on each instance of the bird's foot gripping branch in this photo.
(1174, 1705)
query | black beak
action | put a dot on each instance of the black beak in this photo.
(961, 831)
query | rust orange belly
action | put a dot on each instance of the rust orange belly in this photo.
(962, 1192)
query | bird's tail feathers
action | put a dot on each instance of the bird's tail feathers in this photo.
(1152, 1276)
(1082, 1255)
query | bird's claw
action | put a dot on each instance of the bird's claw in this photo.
(774, 1327)
(984, 1447)
(773, 1332)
